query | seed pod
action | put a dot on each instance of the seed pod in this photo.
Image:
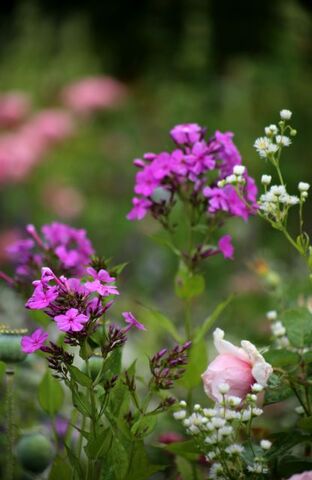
(10, 345)
(35, 452)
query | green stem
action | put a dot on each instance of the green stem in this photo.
(91, 473)
(9, 468)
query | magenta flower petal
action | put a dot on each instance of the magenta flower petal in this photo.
(34, 342)
(226, 247)
(132, 321)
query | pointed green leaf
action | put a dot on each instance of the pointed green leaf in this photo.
(50, 394)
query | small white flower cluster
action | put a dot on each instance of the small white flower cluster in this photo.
(276, 202)
(217, 429)
(278, 330)
(274, 138)
(236, 177)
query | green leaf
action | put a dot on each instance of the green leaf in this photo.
(290, 465)
(298, 324)
(305, 424)
(113, 363)
(79, 376)
(2, 370)
(60, 469)
(197, 364)
(184, 468)
(144, 426)
(81, 403)
(284, 441)
(75, 461)
(277, 390)
(213, 317)
(282, 358)
(120, 459)
(98, 445)
(187, 284)
(157, 320)
(185, 449)
(119, 399)
(140, 467)
(50, 394)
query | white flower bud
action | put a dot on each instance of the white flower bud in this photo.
(299, 410)
(283, 140)
(256, 388)
(231, 179)
(196, 407)
(182, 403)
(271, 130)
(265, 444)
(304, 194)
(239, 170)
(266, 179)
(218, 422)
(257, 412)
(180, 415)
(223, 388)
(303, 186)
(271, 315)
(285, 114)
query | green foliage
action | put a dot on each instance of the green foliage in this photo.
(188, 285)
(197, 364)
(50, 394)
(60, 469)
(282, 358)
(213, 317)
(144, 426)
(186, 449)
(155, 319)
(297, 322)
(278, 390)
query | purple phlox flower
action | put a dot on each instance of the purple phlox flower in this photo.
(42, 296)
(34, 342)
(101, 283)
(132, 321)
(31, 229)
(101, 275)
(200, 159)
(21, 250)
(140, 208)
(103, 290)
(72, 321)
(227, 153)
(187, 133)
(237, 206)
(161, 166)
(46, 276)
(74, 285)
(217, 199)
(179, 164)
(226, 247)
(71, 245)
(146, 182)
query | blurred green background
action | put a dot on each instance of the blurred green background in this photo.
(226, 65)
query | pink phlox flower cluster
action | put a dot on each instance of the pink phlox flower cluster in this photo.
(69, 246)
(162, 176)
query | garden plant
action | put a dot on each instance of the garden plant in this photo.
(106, 413)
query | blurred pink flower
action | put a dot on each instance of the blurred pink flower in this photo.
(92, 94)
(7, 237)
(239, 367)
(302, 476)
(14, 107)
(64, 201)
(22, 150)
(51, 125)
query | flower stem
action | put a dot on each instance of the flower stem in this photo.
(9, 470)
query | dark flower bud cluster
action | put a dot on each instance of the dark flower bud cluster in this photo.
(116, 337)
(167, 365)
(58, 358)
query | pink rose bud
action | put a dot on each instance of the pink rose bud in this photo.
(238, 367)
